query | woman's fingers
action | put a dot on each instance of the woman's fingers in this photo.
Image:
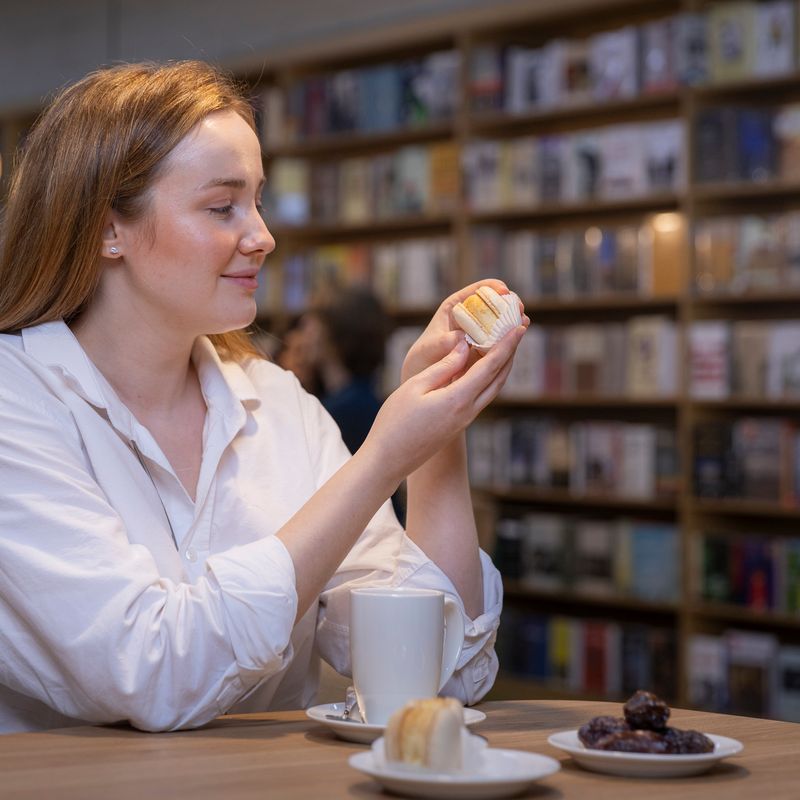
(444, 370)
(479, 379)
(493, 389)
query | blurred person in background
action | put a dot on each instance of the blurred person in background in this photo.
(345, 337)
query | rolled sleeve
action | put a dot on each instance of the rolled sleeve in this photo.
(259, 601)
(477, 665)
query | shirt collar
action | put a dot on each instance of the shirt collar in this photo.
(54, 344)
(221, 379)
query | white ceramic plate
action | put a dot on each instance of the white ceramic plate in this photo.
(361, 732)
(502, 773)
(644, 765)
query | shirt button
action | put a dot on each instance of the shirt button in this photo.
(191, 555)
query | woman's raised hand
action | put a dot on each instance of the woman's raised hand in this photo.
(442, 334)
(438, 401)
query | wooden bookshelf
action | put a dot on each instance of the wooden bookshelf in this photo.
(601, 303)
(367, 228)
(588, 402)
(590, 114)
(564, 599)
(736, 614)
(590, 209)
(692, 200)
(744, 508)
(340, 143)
(564, 497)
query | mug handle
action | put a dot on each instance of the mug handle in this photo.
(453, 639)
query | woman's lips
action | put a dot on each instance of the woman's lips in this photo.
(245, 281)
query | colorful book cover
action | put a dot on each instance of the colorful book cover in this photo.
(752, 661)
(343, 104)
(523, 70)
(716, 149)
(664, 161)
(783, 360)
(715, 576)
(507, 555)
(668, 465)
(759, 445)
(788, 683)
(524, 169)
(445, 176)
(638, 468)
(544, 550)
(664, 663)
(756, 145)
(655, 566)
(486, 78)
(658, 56)
(652, 368)
(613, 64)
(709, 359)
(691, 48)
(534, 635)
(594, 557)
(707, 667)
(731, 40)
(559, 649)
(775, 37)
(594, 656)
(413, 180)
(716, 243)
(355, 200)
(622, 155)
(749, 367)
(714, 472)
(762, 254)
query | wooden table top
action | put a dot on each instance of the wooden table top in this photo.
(286, 755)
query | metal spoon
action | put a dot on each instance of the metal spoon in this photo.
(350, 707)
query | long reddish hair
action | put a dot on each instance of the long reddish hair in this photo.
(98, 146)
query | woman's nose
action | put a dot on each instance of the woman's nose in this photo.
(259, 239)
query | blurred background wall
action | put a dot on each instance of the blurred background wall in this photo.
(47, 43)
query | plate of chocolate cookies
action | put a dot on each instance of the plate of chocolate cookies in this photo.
(642, 744)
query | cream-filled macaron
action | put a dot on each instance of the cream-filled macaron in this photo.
(427, 733)
(486, 316)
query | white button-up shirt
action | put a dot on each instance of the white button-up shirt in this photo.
(123, 599)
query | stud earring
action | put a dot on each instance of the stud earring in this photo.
(113, 250)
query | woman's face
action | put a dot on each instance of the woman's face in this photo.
(191, 262)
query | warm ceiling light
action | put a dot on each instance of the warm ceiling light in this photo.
(667, 223)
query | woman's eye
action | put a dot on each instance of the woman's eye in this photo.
(223, 211)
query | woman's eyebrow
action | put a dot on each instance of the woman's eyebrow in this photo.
(233, 183)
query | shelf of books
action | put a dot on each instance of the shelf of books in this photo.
(636, 181)
(632, 171)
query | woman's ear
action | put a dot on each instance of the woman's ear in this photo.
(111, 246)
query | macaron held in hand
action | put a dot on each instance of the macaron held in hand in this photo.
(486, 316)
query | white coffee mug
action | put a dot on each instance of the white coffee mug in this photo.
(404, 645)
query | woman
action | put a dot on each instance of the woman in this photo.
(180, 522)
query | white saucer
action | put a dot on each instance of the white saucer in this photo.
(361, 732)
(502, 773)
(644, 765)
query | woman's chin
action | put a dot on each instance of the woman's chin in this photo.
(235, 321)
